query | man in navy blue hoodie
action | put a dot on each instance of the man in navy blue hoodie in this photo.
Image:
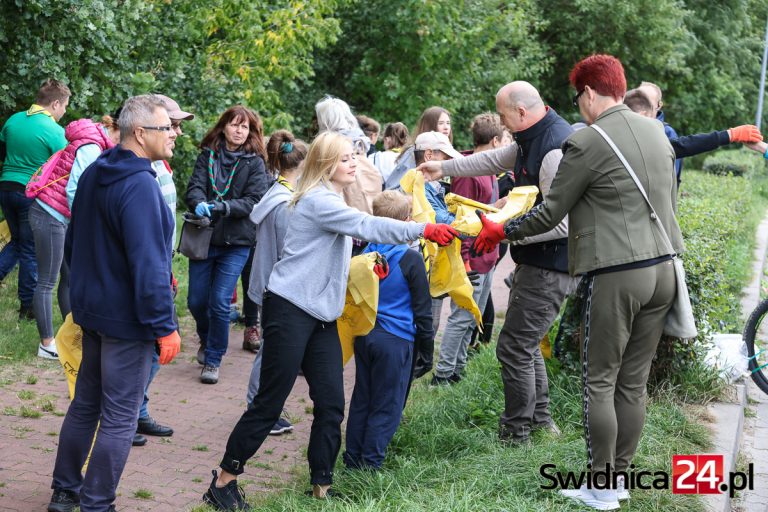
(118, 247)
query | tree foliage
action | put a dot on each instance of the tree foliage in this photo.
(389, 60)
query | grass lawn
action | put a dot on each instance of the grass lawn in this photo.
(446, 456)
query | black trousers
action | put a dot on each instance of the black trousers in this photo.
(294, 339)
(250, 308)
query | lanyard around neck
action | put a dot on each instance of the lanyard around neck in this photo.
(220, 195)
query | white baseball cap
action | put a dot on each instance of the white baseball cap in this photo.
(435, 141)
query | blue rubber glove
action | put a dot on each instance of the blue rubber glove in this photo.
(203, 210)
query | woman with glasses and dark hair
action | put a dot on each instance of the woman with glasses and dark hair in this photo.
(229, 178)
(622, 244)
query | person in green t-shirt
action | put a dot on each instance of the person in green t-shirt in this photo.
(27, 140)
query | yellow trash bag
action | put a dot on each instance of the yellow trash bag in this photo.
(444, 264)
(5, 234)
(361, 303)
(464, 209)
(69, 344)
(546, 347)
(519, 201)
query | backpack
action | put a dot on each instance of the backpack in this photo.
(41, 179)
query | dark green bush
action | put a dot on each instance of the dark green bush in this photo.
(736, 162)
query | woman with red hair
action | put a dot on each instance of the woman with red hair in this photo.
(623, 247)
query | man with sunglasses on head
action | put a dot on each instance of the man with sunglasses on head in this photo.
(118, 247)
(540, 281)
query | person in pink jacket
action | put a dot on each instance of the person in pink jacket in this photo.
(49, 217)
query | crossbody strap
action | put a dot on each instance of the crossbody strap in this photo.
(631, 172)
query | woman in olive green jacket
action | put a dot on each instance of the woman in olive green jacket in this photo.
(617, 244)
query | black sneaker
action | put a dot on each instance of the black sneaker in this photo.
(281, 427)
(149, 427)
(441, 381)
(63, 501)
(26, 313)
(455, 378)
(229, 497)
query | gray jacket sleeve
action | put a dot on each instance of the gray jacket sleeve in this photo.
(482, 164)
(335, 216)
(549, 166)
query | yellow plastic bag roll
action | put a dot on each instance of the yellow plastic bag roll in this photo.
(69, 344)
(361, 303)
(519, 201)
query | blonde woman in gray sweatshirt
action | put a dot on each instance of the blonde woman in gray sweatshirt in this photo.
(304, 297)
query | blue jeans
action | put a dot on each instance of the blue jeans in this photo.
(382, 374)
(107, 394)
(144, 409)
(452, 357)
(15, 207)
(49, 236)
(9, 257)
(212, 282)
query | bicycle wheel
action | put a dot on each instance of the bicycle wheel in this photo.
(756, 339)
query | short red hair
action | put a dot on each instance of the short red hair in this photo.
(603, 73)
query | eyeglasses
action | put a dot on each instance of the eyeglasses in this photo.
(576, 98)
(165, 128)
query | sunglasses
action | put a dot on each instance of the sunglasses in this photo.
(576, 98)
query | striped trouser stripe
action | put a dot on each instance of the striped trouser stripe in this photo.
(585, 363)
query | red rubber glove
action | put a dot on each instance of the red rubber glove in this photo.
(169, 347)
(745, 133)
(489, 237)
(441, 234)
(381, 268)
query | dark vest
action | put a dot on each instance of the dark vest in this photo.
(532, 145)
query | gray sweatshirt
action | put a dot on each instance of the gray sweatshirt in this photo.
(271, 221)
(312, 273)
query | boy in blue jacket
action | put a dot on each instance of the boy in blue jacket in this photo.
(383, 358)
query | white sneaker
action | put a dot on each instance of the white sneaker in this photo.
(48, 352)
(621, 492)
(598, 499)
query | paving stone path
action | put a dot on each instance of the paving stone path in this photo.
(165, 475)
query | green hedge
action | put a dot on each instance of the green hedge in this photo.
(718, 216)
(737, 162)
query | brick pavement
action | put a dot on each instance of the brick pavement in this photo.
(174, 472)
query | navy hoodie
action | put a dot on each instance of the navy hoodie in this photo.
(118, 248)
(405, 305)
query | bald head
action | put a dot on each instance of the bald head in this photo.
(520, 93)
(653, 92)
(519, 105)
